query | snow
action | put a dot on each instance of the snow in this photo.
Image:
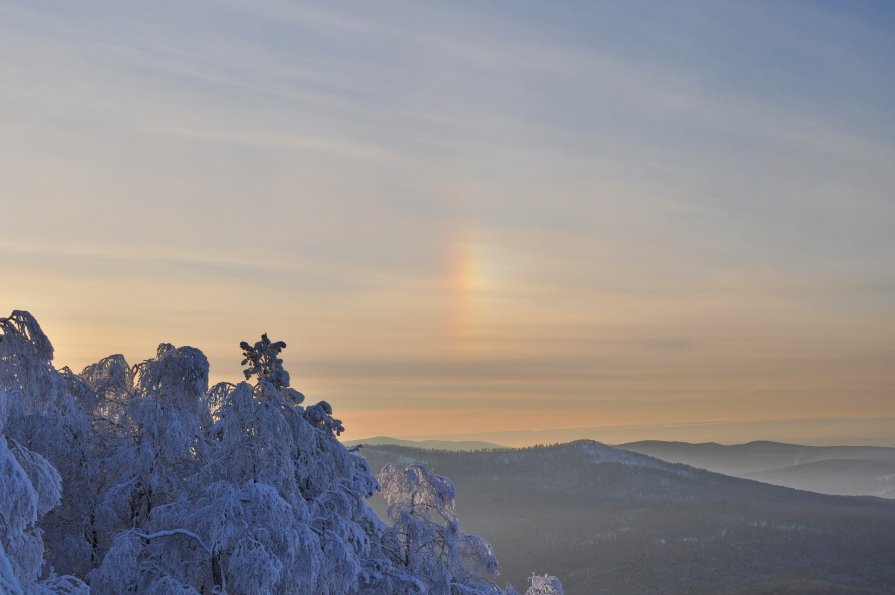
(425, 537)
(143, 479)
(544, 585)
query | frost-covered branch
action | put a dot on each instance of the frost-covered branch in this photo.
(173, 532)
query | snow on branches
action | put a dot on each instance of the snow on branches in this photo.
(30, 486)
(145, 480)
(425, 536)
(544, 585)
(264, 361)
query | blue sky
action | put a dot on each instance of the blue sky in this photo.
(470, 218)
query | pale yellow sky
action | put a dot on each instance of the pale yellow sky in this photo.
(519, 225)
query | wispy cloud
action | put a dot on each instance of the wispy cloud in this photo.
(666, 204)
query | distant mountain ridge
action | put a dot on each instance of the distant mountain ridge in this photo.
(426, 444)
(610, 520)
(834, 470)
(840, 470)
(846, 477)
(751, 457)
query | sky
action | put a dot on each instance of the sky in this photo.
(513, 221)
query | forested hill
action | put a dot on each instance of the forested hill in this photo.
(613, 521)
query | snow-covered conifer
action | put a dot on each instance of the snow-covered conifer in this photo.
(264, 361)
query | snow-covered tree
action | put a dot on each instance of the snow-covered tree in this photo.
(264, 361)
(144, 480)
(26, 373)
(425, 535)
(30, 486)
(153, 444)
(275, 505)
(544, 585)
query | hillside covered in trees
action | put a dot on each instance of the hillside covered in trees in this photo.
(607, 520)
(143, 479)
